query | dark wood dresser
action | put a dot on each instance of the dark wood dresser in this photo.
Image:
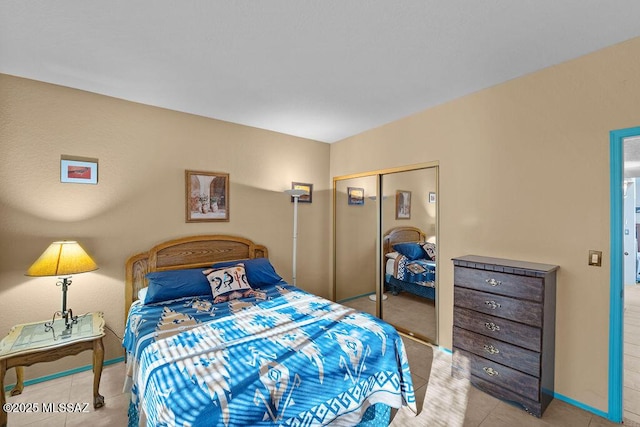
(504, 328)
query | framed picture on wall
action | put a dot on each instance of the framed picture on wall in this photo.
(403, 204)
(355, 196)
(78, 170)
(305, 198)
(432, 197)
(207, 196)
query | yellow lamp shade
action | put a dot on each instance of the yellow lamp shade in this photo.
(62, 259)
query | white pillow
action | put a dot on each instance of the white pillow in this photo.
(142, 294)
(392, 255)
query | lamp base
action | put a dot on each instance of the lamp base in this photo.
(69, 321)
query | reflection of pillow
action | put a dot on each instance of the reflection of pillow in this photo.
(392, 255)
(173, 284)
(410, 250)
(430, 249)
(259, 271)
(226, 280)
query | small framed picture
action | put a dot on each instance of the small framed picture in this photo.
(305, 198)
(403, 204)
(432, 197)
(355, 196)
(207, 196)
(78, 170)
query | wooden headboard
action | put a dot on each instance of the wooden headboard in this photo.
(401, 235)
(187, 252)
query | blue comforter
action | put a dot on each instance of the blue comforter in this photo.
(285, 357)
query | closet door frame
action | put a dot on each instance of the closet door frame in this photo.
(379, 174)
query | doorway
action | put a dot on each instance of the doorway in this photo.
(617, 274)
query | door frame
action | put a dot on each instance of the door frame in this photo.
(616, 300)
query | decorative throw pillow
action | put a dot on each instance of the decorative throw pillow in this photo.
(430, 249)
(259, 271)
(410, 250)
(173, 284)
(227, 280)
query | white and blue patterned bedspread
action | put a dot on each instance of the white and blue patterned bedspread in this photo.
(294, 359)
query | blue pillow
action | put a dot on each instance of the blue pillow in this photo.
(173, 284)
(410, 250)
(259, 271)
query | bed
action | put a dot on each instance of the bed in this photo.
(271, 354)
(410, 262)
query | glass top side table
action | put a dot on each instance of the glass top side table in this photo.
(32, 343)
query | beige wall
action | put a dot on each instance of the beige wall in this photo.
(420, 183)
(139, 200)
(524, 174)
(355, 242)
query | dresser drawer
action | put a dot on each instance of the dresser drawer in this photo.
(496, 305)
(506, 354)
(503, 376)
(513, 285)
(502, 329)
(532, 406)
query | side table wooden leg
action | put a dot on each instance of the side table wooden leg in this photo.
(17, 389)
(98, 359)
(3, 399)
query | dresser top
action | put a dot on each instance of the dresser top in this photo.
(503, 265)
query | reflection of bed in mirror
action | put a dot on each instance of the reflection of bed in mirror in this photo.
(409, 262)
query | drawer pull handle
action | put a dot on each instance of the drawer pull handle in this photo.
(490, 371)
(493, 282)
(491, 326)
(491, 349)
(492, 304)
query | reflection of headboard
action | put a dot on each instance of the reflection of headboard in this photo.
(187, 252)
(401, 235)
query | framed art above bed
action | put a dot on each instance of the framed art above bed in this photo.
(403, 204)
(206, 196)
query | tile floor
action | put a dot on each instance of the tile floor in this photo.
(404, 310)
(631, 392)
(77, 388)
(482, 410)
(486, 411)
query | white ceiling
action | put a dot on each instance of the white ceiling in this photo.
(319, 69)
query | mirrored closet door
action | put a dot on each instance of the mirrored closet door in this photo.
(385, 234)
(409, 215)
(355, 244)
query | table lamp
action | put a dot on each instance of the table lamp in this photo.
(63, 259)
